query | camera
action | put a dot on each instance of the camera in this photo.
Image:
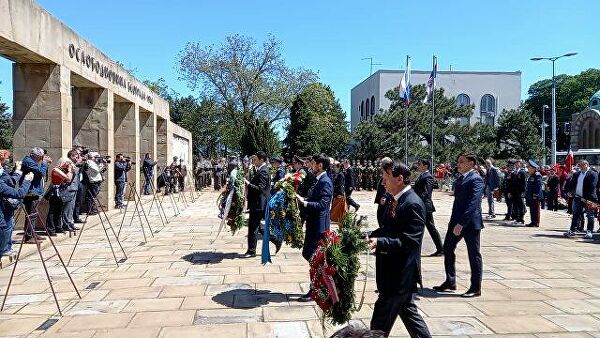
(102, 159)
(128, 159)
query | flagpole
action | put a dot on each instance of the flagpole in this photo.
(406, 118)
(431, 164)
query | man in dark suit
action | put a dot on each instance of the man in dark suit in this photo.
(397, 248)
(258, 196)
(582, 186)
(382, 198)
(316, 207)
(424, 188)
(465, 222)
(349, 185)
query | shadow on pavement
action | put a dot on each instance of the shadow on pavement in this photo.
(209, 257)
(431, 293)
(249, 298)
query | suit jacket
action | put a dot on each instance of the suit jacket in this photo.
(349, 180)
(398, 252)
(317, 212)
(492, 179)
(258, 189)
(466, 209)
(589, 185)
(424, 188)
(338, 184)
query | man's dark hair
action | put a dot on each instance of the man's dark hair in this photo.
(261, 155)
(147, 155)
(401, 169)
(119, 154)
(469, 156)
(323, 159)
(352, 331)
(72, 152)
(425, 163)
(386, 164)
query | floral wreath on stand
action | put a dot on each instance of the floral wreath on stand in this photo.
(232, 201)
(334, 268)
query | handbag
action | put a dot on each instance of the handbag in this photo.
(339, 208)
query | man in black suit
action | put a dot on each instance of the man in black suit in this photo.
(424, 188)
(258, 196)
(397, 248)
(581, 187)
(349, 184)
(382, 198)
(465, 222)
(317, 207)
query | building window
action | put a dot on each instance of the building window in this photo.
(368, 106)
(372, 105)
(463, 100)
(362, 109)
(488, 104)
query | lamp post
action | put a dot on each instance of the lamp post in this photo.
(544, 107)
(553, 59)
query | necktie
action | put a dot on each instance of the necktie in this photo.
(392, 208)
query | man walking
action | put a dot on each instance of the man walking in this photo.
(465, 222)
(423, 187)
(582, 187)
(492, 183)
(349, 185)
(397, 246)
(317, 207)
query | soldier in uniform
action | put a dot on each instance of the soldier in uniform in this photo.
(517, 191)
(376, 175)
(506, 186)
(534, 192)
(217, 173)
(368, 177)
(359, 171)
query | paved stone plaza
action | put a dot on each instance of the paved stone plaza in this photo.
(536, 284)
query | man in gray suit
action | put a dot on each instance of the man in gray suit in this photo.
(492, 183)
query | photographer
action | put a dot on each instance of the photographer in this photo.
(182, 174)
(148, 168)
(94, 167)
(11, 199)
(70, 194)
(37, 163)
(122, 167)
(61, 176)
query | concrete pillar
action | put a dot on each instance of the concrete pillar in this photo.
(161, 142)
(125, 136)
(93, 128)
(147, 134)
(42, 109)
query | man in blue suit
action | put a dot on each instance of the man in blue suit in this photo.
(465, 222)
(316, 207)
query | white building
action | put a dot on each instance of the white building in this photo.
(489, 92)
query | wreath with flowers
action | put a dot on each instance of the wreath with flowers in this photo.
(334, 267)
(232, 201)
(283, 212)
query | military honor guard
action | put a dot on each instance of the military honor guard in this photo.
(534, 193)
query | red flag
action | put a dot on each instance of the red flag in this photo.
(569, 161)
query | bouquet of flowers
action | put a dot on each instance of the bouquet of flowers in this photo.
(232, 200)
(334, 268)
(284, 216)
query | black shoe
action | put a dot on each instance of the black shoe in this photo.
(437, 254)
(471, 294)
(507, 218)
(531, 225)
(60, 231)
(305, 298)
(445, 287)
(356, 208)
(249, 254)
(278, 246)
(79, 221)
(51, 233)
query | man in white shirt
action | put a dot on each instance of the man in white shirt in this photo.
(582, 188)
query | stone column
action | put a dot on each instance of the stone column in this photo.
(161, 142)
(42, 109)
(93, 128)
(147, 144)
(125, 135)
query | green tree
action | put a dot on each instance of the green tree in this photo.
(517, 135)
(317, 123)
(385, 134)
(6, 126)
(259, 135)
(572, 96)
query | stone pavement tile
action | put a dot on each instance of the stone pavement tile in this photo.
(134, 293)
(205, 302)
(128, 332)
(524, 294)
(77, 334)
(238, 330)
(563, 293)
(126, 283)
(97, 307)
(162, 319)
(260, 330)
(266, 269)
(448, 309)
(522, 284)
(520, 324)
(215, 289)
(564, 335)
(188, 280)
(182, 291)
(286, 277)
(575, 306)
(454, 326)
(247, 278)
(289, 330)
(165, 273)
(576, 322)
(96, 322)
(20, 326)
(160, 304)
(515, 308)
(287, 288)
(44, 308)
(227, 316)
(518, 274)
(212, 270)
(26, 298)
(289, 313)
(564, 283)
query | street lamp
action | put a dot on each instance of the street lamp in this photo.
(553, 59)
(544, 107)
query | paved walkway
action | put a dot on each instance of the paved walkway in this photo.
(178, 284)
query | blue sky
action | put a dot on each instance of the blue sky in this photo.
(332, 36)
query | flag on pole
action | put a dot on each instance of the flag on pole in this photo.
(431, 82)
(569, 160)
(405, 84)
